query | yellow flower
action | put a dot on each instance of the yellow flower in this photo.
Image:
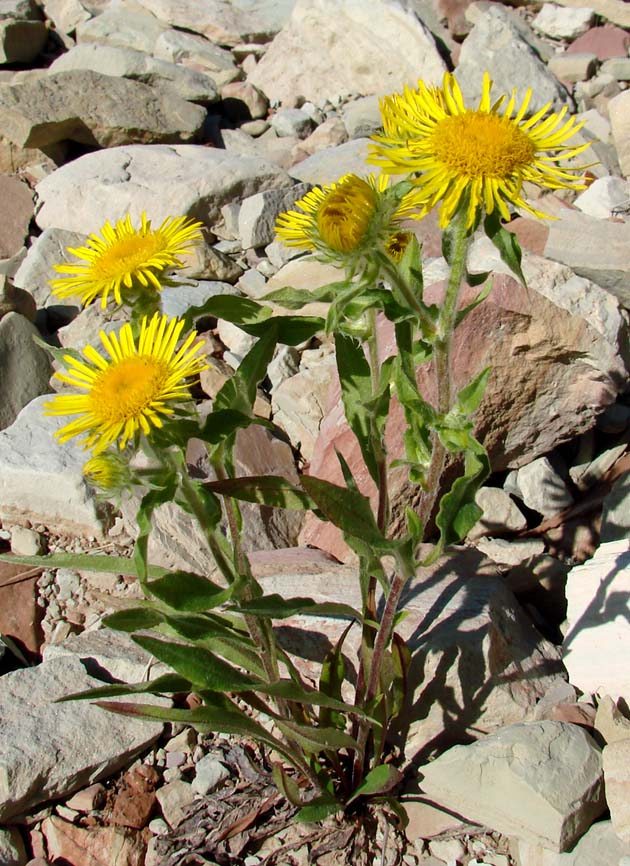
(107, 472)
(130, 391)
(126, 258)
(482, 155)
(344, 220)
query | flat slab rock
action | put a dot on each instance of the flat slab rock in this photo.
(478, 663)
(538, 781)
(48, 749)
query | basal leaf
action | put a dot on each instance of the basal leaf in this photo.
(276, 607)
(134, 618)
(318, 810)
(315, 740)
(271, 490)
(379, 780)
(83, 562)
(166, 684)
(185, 591)
(347, 509)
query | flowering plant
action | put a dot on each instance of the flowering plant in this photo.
(218, 638)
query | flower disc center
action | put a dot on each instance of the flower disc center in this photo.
(477, 144)
(127, 255)
(344, 217)
(128, 388)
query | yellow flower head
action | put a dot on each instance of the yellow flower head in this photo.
(107, 472)
(132, 390)
(482, 155)
(344, 220)
(126, 258)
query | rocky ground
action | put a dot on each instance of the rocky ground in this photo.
(227, 111)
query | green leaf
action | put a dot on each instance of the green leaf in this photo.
(291, 330)
(479, 298)
(295, 299)
(286, 784)
(290, 691)
(347, 509)
(239, 392)
(356, 392)
(203, 668)
(380, 780)
(219, 425)
(148, 504)
(410, 267)
(470, 396)
(458, 510)
(231, 308)
(185, 591)
(331, 677)
(276, 607)
(414, 526)
(166, 684)
(84, 562)
(506, 243)
(318, 810)
(271, 490)
(314, 740)
(134, 618)
(206, 630)
(58, 354)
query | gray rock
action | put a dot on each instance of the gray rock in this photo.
(618, 67)
(542, 488)
(41, 480)
(44, 752)
(25, 368)
(12, 850)
(291, 121)
(210, 774)
(258, 213)
(510, 552)
(90, 108)
(50, 248)
(285, 364)
(498, 45)
(362, 118)
(26, 542)
(16, 300)
(599, 846)
(220, 22)
(108, 655)
(128, 26)
(619, 114)
(21, 41)
(175, 798)
(573, 66)
(208, 263)
(603, 196)
(500, 513)
(127, 63)
(597, 606)
(189, 49)
(610, 722)
(268, 147)
(21, 9)
(597, 250)
(295, 65)
(538, 781)
(181, 179)
(243, 101)
(177, 300)
(331, 163)
(561, 23)
(66, 14)
(253, 284)
(616, 511)
(616, 758)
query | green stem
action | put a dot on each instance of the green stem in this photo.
(427, 325)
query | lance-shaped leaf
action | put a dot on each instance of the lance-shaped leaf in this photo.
(239, 392)
(290, 691)
(319, 809)
(294, 299)
(380, 780)
(347, 509)
(203, 668)
(210, 631)
(144, 616)
(83, 562)
(356, 392)
(276, 607)
(231, 308)
(166, 684)
(271, 490)
(223, 423)
(315, 740)
(506, 243)
(471, 395)
(478, 299)
(185, 591)
(331, 679)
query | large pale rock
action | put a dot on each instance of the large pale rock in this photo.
(50, 248)
(497, 44)
(599, 630)
(66, 14)
(557, 356)
(12, 851)
(619, 114)
(138, 66)
(49, 749)
(18, 211)
(182, 179)
(41, 480)
(599, 846)
(616, 11)
(95, 109)
(561, 23)
(21, 41)
(539, 781)
(258, 213)
(616, 757)
(128, 26)
(478, 663)
(335, 47)
(331, 163)
(25, 368)
(191, 50)
(597, 250)
(221, 22)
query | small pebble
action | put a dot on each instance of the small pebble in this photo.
(158, 827)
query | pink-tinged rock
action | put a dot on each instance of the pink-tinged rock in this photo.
(530, 233)
(556, 358)
(17, 212)
(93, 846)
(604, 42)
(20, 617)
